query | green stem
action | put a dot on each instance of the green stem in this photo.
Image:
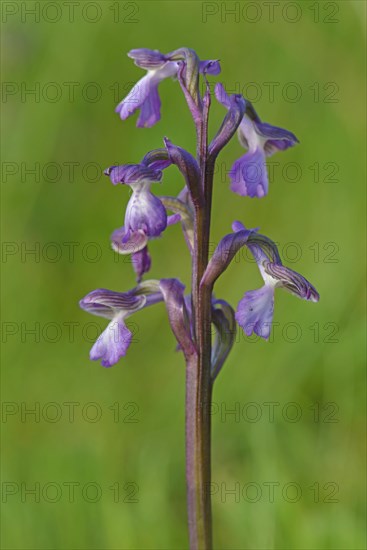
(198, 379)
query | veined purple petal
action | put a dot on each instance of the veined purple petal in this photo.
(133, 173)
(291, 281)
(107, 303)
(255, 311)
(147, 59)
(262, 248)
(249, 176)
(160, 164)
(128, 242)
(112, 344)
(157, 159)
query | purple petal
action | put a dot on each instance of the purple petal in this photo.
(173, 219)
(144, 95)
(274, 132)
(112, 344)
(146, 213)
(188, 167)
(255, 311)
(160, 164)
(132, 173)
(238, 226)
(141, 263)
(292, 281)
(137, 96)
(222, 95)
(223, 318)
(106, 303)
(273, 146)
(249, 176)
(224, 254)
(229, 125)
(147, 59)
(248, 136)
(279, 139)
(128, 242)
(150, 112)
(262, 248)
(210, 66)
(173, 294)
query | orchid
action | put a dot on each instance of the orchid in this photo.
(255, 310)
(144, 95)
(193, 315)
(248, 174)
(145, 215)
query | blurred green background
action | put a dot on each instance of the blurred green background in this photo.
(111, 475)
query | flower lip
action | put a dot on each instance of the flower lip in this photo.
(132, 173)
(255, 311)
(112, 344)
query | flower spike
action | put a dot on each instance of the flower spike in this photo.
(194, 316)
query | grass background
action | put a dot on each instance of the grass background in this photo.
(316, 358)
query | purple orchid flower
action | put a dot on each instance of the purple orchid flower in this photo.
(248, 174)
(255, 310)
(115, 340)
(144, 95)
(144, 213)
(145, 216)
